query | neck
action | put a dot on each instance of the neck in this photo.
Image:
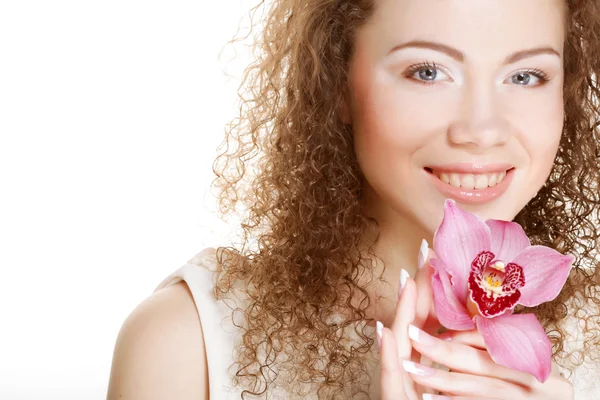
(398, 248)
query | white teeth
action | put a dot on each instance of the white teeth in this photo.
(471, 181)
(444, 177)
(467, 181)
(454, 180)
(481, 181)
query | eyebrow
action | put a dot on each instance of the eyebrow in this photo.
(460, 56)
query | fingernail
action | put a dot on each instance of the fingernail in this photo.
(420, 336)
(379, 333)
(417, 369)
(423, 252)
(427, 396)
(403, 277)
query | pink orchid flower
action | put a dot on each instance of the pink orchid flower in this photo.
(483, 270)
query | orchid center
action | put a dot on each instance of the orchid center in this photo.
(493, 285)
(492, 281)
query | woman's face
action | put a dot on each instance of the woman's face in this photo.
(439, 82)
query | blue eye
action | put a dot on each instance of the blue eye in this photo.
(427, 72)
(523, 78)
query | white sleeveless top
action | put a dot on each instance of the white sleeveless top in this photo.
(221, 336)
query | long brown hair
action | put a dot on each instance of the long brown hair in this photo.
(300, 257)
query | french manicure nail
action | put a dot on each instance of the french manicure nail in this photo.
(420, 336)
(379, 333)
(403, 278)
(417, 369)
(423, 252)
(427, 396)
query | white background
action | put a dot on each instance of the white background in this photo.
(111, 113)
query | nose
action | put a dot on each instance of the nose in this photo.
(480, 124)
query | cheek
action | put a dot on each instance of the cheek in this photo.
(537, 120)
(389, 122)
(541, 132)
(384, 140)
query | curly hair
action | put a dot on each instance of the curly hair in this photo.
(301, 255)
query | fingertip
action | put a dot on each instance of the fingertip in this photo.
(404, 277)
(423, 253)
(404, 282)
(407, 301)
(409, 284)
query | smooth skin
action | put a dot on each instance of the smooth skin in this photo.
(160, 352)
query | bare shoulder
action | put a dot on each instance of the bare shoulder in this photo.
(160, 351)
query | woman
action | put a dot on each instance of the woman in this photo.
(356, 107)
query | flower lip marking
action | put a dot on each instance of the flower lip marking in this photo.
(494, 286)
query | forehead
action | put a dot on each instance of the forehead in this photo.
(479, 28)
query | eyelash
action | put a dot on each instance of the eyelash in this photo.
(541, 75)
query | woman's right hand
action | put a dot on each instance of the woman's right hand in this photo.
(414, 307)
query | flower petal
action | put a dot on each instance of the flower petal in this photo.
(438, 265)
(449, 310)
(546, 271)
(517, 341)
(507, 239)
(457, 241)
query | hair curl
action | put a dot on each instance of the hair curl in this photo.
(301, 255)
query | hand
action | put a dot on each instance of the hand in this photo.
(414, 306)
(474, 375)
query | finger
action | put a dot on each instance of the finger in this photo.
(459, 384)
(466, 359)
(405, 315)
(425, 315)
(423, 283)
(471, 338)
(428, 362)
(392, 388)
(555, 387)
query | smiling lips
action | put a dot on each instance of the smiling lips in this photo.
(470, 182)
